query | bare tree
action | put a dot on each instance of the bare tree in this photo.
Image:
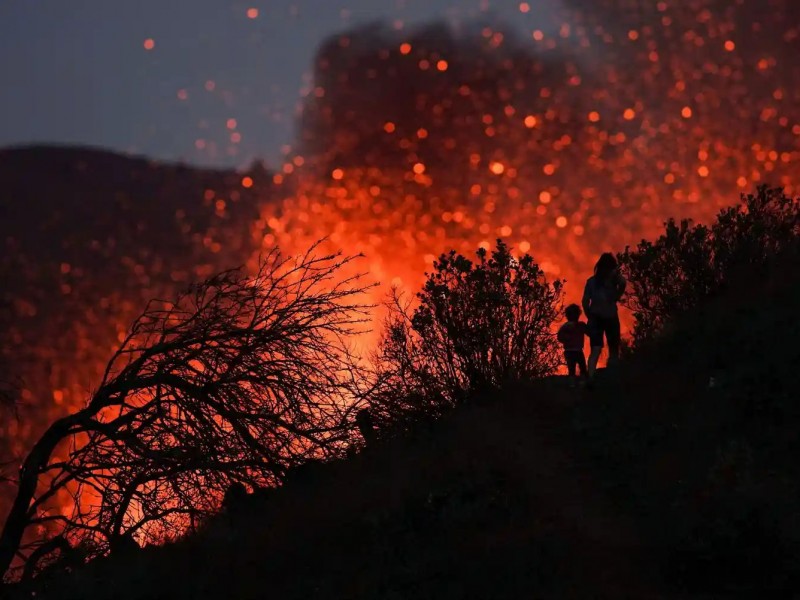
(235, 381)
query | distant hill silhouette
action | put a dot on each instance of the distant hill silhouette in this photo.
(86, 238)
(660, 483)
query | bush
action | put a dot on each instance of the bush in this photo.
(689, 262)
(478, 326)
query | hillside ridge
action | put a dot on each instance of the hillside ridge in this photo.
(652, 484)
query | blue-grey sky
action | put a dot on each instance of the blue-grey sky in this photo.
(78, 72)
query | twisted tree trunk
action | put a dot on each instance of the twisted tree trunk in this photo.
(18, 517)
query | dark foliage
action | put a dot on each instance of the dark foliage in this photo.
(477, 327)
(672, 275)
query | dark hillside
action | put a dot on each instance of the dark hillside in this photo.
(86, 238)
(657, 483)
(701, 444)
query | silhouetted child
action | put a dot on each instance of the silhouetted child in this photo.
(366, 425)
(571, 336)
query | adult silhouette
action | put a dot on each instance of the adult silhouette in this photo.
(600, 296)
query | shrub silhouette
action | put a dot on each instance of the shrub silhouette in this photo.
(686, 264)
(477, 326)
(763, 229)
(667, 277)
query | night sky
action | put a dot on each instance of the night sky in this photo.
(78, 72)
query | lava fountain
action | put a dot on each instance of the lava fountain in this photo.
(582, 135)
(413, 143)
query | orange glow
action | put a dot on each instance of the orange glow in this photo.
(562, 157)
(252, 13)
(149, 44)
(442, 65)
(497, 168)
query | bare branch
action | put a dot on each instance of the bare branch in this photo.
(238, 379)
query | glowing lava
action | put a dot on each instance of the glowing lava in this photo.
(581, 136)
(564, 144)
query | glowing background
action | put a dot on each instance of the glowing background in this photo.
(566, 129)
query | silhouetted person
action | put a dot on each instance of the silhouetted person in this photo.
(600, 297)
(571, 336)
(366, 425)
(124, 544)
(235, 497)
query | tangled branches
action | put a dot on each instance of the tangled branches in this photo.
(235, 381)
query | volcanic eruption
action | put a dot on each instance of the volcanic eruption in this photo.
(581, 135)
(414, 142)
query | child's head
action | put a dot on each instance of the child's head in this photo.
(573, 312)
